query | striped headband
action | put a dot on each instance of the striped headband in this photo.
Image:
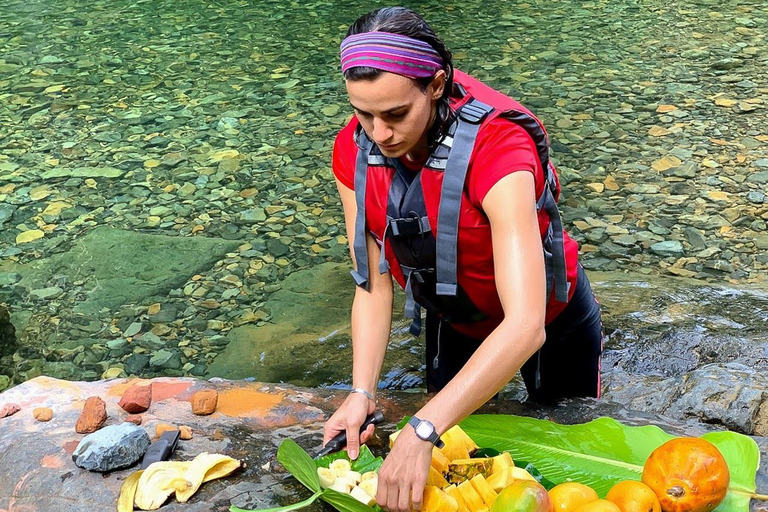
(395, 53)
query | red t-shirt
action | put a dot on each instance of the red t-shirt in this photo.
(501, 148)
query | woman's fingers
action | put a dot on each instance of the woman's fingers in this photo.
(353, 438)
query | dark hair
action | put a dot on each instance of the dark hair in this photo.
(403, 21)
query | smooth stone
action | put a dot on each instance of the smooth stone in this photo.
(113, 447)
(668, 248)
(42, 413)
(9, 278)
(133, 329)
(204, 402)
(92, 417)
(46, 293)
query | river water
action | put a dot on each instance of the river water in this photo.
(165, 168)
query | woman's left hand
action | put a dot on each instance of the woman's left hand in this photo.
(404, 473)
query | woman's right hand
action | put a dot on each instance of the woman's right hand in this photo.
(349, 417)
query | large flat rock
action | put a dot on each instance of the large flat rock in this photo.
(122, 267)
(250, 422)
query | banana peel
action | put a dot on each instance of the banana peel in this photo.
(150, 488)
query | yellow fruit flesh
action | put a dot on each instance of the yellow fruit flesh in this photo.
(484, 489)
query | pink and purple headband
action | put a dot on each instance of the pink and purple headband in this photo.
(395, 53)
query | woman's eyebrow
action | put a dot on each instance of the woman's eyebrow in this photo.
(388, 111)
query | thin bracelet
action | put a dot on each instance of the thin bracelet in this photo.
(364, 393)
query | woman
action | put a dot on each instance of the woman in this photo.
(447, 187)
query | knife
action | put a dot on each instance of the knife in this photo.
(340, 441)
(162, 449)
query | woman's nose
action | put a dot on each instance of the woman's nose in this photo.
(381, 131)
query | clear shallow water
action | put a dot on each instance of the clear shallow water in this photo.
(216, 121)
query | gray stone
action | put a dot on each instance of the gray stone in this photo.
(46, 293)
(136, 363)
(187, 189)
(686, 170)
(112, 447)
(9, 278)
(166, 359)
(276, 248)
(758, 177)
(166, 315)
(761, 162)
(725, 394)
(133, 329)
(121, 267)
(6, 212)
(668, 248)
(253, 216)
(150, 341)
(695, 237)
(82, 172)
(755, 196)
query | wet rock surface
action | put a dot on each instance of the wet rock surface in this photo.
(249, 424)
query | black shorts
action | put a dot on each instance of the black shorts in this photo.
(568, 364)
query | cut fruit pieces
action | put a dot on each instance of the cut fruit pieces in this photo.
(340, 466)
(439, 461)
(435, 500)
(473, 500)
(327, 477)
(484, 489)
(521, 474)
(453, 491)
(502, 461)
(363, 497)
(371, 485)
(436, 478)
(458, 445)
(465, 469)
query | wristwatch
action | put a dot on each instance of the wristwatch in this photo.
(425, 431)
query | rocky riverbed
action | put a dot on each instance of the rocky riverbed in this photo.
(167, 207)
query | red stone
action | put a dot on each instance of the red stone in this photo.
(136, 398)
(93, 416)
(133, 418)
(8, 410)
(204, 402)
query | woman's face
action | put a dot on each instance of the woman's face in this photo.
(395, 112)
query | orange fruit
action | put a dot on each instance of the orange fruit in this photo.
(634, 496)
(687, 474)
(598, 506)
(567, 496)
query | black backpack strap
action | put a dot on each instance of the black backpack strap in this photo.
(360, 247)
(470, 117)
(554, 243)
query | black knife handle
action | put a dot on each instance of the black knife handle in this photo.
(340, 440)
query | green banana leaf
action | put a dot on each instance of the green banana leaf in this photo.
(603, 452)
(599, 454)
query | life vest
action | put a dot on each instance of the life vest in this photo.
(421, 249)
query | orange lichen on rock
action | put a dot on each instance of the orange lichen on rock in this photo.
(247, 402)
(165, 390)
(93, 416)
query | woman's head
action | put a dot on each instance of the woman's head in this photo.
(399, 109)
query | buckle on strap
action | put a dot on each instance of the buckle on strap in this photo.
(408, 226)
(474, 111)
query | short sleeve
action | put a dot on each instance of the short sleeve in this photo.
(345, 154)
(502, 147)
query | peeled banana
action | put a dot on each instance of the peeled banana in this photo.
(150, 488)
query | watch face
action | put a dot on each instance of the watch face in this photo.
(424, 430)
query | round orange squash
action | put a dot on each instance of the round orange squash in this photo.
(634, 496)
(598, 506)
(569, 495)
(688, 474)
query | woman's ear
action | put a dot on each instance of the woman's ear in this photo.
(438, 85)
